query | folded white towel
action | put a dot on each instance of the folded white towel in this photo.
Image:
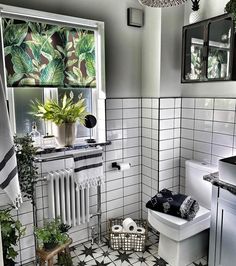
(89, 168)
(9, 181)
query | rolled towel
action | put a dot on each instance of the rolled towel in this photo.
(175, 204)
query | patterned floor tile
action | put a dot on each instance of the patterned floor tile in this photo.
(102, 255)
(87, 251)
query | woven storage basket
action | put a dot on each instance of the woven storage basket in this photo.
(127, 241)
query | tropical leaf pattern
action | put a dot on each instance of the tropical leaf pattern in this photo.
(39, 54)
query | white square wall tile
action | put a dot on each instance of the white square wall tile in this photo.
(166, 144)
(188, 102)
(166, 124)
(187, 123)
(225, 104)
(188, 113)
(225, 140)
(222, 151)
(167, 113)
(147, 112)
(167, 103)
(131, 103)
(204, 103)
(202, 147)
(203, 125)
(178, 102)
(224, 116)
(202, 136)
(131, 113)
(166, 134)
(114, 124)
(223, 128)
(146, 103)
(147, 122)
(155, 103)
(203, 114)
(114, 114)
(131, 122)
(113, 103)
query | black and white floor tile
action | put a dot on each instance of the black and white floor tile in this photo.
(87, 254)
(101, 255)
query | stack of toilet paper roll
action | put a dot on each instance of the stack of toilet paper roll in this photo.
(127, 236)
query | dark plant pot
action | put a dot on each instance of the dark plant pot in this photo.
(50, 245)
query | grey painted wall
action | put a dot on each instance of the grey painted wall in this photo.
(209, 8)
(161, 52)
(123, 43)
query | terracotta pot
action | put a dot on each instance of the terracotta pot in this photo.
(65, 134)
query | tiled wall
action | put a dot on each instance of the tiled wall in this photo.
(208, 130)
(156, 136)
(121, 192)
(150, 150)
(160, 146)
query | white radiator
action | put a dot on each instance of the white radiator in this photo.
(65, 201)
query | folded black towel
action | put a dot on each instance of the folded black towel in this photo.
(175, 204)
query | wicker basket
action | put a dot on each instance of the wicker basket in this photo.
(127, 241)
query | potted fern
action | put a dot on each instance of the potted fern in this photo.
(64, 114)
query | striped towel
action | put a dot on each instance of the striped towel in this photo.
(9, 181)
(88, 168)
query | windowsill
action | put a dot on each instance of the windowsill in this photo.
(76, 146)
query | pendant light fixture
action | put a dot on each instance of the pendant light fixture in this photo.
(162, 3)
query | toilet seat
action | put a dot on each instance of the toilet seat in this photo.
(177, 228)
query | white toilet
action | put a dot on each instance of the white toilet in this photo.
(182, 242)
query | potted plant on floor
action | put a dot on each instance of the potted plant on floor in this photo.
(12, 230)
(64, 114)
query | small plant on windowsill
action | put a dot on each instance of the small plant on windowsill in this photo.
(11, 230)
(64, 114)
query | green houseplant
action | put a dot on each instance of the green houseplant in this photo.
(52, 234)
(231, 8)
(64, 114)
(27, 170)
(11, 230)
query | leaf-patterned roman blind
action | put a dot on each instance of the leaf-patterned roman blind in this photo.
(45, 55)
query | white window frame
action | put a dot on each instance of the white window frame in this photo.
(98, 93)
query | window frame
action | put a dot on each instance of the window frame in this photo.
(98, 93)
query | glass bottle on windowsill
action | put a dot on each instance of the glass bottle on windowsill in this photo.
(35, 135)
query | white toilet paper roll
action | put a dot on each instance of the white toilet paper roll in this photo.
(124, 166)
(140, 230)
(117, 228)
(129, 226)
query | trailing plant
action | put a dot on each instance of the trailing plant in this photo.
(50, 235)
(12, 230)
(231, 8)
(64, 111)
(27, 170)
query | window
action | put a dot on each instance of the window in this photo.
(70, 60)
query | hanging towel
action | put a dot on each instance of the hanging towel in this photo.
(88, 168)
(9, 181)
(175, 204)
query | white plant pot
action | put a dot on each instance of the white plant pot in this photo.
(194, 17)
(65, 134)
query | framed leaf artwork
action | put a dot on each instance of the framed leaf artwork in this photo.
(45, 55)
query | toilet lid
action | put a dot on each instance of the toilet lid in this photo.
(179, 223)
